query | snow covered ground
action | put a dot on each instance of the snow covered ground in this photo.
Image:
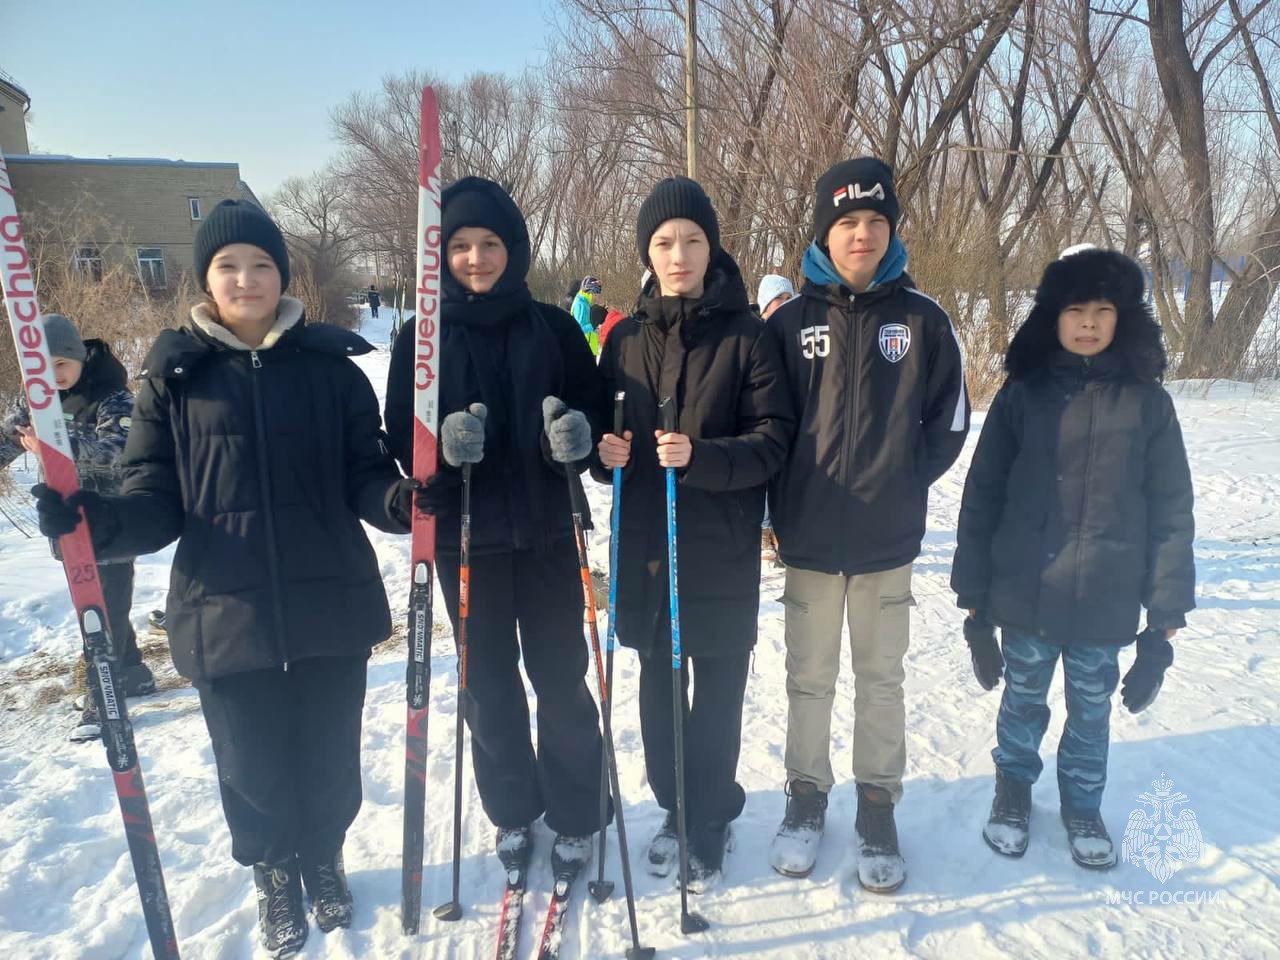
(66, 882)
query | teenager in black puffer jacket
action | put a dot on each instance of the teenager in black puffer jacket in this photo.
(502, 348)
(256, 444)
(693, 339)
(1077, 512)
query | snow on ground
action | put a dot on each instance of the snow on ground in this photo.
(66, 883)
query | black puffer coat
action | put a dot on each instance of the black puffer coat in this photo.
(1078, 504)
(507, 351)
(727, 379)
(262, 465)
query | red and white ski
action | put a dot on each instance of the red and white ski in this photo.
(422, 551)
(80, 564)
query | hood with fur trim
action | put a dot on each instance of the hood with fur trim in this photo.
(1083, 274)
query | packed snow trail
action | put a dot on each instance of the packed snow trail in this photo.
(64, 869)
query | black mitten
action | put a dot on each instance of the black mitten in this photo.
(1142, 683)
(984, 651)
(58, 516)
(431, 497)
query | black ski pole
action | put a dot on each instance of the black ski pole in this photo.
(689, 922)
(602, 889)
(453, 909)
(578, 504)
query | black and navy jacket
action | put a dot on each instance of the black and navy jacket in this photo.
(877, 381)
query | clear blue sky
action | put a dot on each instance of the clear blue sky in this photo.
(232, 80)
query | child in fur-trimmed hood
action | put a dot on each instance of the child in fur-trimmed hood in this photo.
(1077, 513)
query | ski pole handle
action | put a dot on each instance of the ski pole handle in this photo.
(618, 399)
(667, 415)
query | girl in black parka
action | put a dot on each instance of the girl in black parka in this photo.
(694, 339)
(256, 444)
(500, 347)
(1077, 512)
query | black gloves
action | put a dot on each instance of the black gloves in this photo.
(59, 516)
(1142, 682)
(988, 664)
(431, 497)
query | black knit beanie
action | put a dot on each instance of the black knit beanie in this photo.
(862, 184)
(671, 198)
(477, 202)
(239, 221)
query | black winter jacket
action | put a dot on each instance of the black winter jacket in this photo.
(712, 357)
(1078, 505)
(877, 382)
(261, 464)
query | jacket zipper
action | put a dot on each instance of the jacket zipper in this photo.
(1092, 397)
(264, 480)
(851, 393)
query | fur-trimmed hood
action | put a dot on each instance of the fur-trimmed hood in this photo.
(1083, 274)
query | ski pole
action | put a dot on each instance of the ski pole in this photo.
(689, 922)
(578, 504)
(453, 909)
(601, 889)
(80, 565)
(422, 547)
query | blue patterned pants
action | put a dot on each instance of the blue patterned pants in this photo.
(1091, 673)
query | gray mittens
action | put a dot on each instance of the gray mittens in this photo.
(568, 431)
(462, 435)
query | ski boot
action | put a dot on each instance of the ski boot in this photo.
(331, 899)
(89, 727)
(664, 849)
(282, 922)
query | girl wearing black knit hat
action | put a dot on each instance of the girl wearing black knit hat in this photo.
(1077, 513)
(694, 339)
(256, 444)
(503, 349)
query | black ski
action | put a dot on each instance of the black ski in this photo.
(566, 871)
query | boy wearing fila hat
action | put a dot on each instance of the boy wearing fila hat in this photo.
(877, 379)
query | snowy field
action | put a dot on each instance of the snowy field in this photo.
(66, 883)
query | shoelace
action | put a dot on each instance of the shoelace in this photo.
(279, 904)
(880, 827)
(1091, 827)
(326, 880)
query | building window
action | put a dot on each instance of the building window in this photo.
(151, 267)
(194, 203)
(88, 260)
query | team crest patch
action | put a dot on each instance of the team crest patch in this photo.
(895, 341)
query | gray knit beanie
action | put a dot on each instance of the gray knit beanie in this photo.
(63, 338)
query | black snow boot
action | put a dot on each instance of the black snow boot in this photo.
(515, 846)
(282, 923)
(1009, 826)
(1091, 845)
(794, 850)
(331, 899)
(881, 868)
(156, 622)
(136, 680)
(664, 849)
(89, 726)
(708, 843)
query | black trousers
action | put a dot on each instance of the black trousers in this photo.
(712, 730)
(529, 606)
(117, 592)
(287, 746)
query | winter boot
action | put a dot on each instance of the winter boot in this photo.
(1009, 826)
(769, 547)
(880, 865)
(1090, 843)
(515, 846)
(795, 846)
(331, 899)
(282, 922)
(570, 855)
(708, 843)
(136, 680)
(156, 623)
(90, 725)
(664, 849)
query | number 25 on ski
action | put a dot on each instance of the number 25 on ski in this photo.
(426, 393)
(80, 564)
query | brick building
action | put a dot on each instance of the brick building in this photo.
(138, 212)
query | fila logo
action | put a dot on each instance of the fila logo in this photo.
(854, 191)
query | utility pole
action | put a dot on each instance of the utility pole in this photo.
(691, 87)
